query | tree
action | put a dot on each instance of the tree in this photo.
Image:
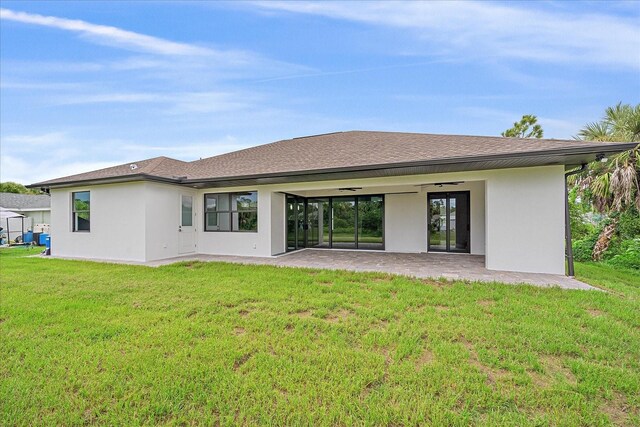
(14, 187)
(527, 127)
(612, 186)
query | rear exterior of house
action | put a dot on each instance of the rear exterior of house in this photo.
(411, 193)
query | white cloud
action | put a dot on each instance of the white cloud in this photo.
(33, 141)
(174, 103)
(30, 158)
(107, 34)
(488, 30)
(108, 98)
(160, 52)
(29, 170)
(188, 151)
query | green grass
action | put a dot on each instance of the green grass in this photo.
(214, 343)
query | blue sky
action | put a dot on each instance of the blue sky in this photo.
(86, 85)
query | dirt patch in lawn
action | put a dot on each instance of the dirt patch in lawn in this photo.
(378, 382)
(426, 358)
(486, 303)
(440, 308)
(243, 313)
(493, 375)
(553, 368)
(434, 283)
(239, 331)
(241, 361)
(305, 314)
(594, 312)
(381, 324)
(618, 410)
(338, 316)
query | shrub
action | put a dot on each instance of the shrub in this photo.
(583, 248)
(629, 224)
(629, 256)
(581, 225)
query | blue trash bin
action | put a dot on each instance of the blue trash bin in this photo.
(28, 237)
(43, 239)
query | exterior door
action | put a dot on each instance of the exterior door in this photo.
(449, 222)
(296, 223)
(341, 222)
(186, 228)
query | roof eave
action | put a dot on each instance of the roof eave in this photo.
(562, 155)
(110, 180)
(565, 156)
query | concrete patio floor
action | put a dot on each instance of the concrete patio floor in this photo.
(448, 266)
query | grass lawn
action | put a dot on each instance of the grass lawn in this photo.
(214, 343)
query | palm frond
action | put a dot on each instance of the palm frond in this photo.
(596, 131)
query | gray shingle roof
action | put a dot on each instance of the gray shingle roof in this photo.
(13, 201)
(339, 151)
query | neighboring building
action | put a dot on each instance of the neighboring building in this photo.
(398, 192)
(36, 209)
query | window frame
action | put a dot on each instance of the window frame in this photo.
(74, 212)
(231, 211)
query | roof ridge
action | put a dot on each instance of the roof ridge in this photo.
(267, 144)
(456, 135)
(157, 162)
(148, 168)
(319, 134)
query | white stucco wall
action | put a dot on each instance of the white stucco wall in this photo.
(405, 222)
(162, 213)
(525, 220)
(117, 223)
(278, 223)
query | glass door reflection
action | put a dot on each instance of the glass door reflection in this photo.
(449, 222)
(343, 221)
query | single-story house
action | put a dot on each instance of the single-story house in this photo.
(36, 209)
(503, 198)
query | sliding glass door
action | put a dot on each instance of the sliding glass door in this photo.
(449, 222)
(370, 222)
(318, 221)
(295, 223)
(345, 222)
(343, 228)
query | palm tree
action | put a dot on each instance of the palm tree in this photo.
(612, 186)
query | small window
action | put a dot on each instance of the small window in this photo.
(231, 212)
(187, 211)
(81, 208)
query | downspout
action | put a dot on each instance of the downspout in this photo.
(567, 221)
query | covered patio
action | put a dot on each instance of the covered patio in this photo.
(420, 265)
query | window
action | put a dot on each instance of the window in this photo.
(186, 211)
(81, 202)
(231, 212)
